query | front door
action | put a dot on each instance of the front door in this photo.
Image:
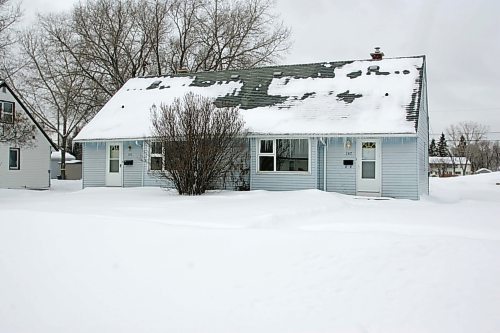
(368, 167)
(113, 164)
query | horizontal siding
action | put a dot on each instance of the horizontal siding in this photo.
(399, 168)
(34, 161)
(34, 165)
(423, 141)
(321, 167)
(94, 164)
(132, 174)
(283, 182)
(340, 178)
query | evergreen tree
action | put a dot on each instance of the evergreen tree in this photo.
(432, 148)
(442, 146)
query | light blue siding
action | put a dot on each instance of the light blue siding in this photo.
(401, 172)
(94, 164)
(321, 165)
(423, 141)
(273, 181)
(132, 174)
(399, 168)
(340, 178)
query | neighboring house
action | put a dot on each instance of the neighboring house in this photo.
(55, 163)
(22, 167)
(449, 166)
(354, 127)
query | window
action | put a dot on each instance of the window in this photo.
(156, 157)
(14, 158)
(284, 155)
(6, 112)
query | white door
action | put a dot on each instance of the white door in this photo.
(113, 164)
(368, 167)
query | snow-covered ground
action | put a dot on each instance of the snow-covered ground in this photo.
(147, 260)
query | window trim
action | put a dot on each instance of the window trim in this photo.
(18, 153)
(161, 155)
(2, 102)
(273, 154)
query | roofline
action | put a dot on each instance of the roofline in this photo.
(4, 84)
(275, 135)
(273, 66)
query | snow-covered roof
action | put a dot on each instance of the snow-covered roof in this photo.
(457, 160)
(56, 156)
(347, 97)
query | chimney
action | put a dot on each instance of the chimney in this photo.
(377, 55)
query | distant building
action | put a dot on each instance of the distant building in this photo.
(449, 166)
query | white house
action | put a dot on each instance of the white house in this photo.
(449, 166)
(28, 166)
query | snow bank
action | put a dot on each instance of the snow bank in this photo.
(148, 260)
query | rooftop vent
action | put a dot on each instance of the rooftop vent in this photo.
(377, 55)
(277, 73)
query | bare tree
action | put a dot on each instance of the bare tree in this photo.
(199, 142)
(226, 34)
(51, 86)
(464, 138)
(20, 133)
(9, 16)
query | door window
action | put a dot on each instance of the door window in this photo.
(114, 158)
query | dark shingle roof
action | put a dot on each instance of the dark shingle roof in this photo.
(361, 96)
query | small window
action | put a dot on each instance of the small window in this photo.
(6, 112)
(156, 158)
(14, 158)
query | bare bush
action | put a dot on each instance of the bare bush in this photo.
(199, 143)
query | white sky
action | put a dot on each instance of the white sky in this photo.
(461, 39)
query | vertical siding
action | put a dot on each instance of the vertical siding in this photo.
(280, 181)
(423, 141)
(94, 164)
(132, 174)
(340, 178)
(399, 168)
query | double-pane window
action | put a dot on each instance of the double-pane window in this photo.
(6, 112)
(156, 158)
(284, 155)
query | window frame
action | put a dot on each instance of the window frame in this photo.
(18, 159)
(156, 155)
(2, 108)
(273, 154)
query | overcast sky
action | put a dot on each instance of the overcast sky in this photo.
(461, 39)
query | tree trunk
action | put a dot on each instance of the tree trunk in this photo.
(63, 156)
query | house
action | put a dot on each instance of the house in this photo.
(449, 166)
(55, 163)
(22, 166)
(355, 127)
